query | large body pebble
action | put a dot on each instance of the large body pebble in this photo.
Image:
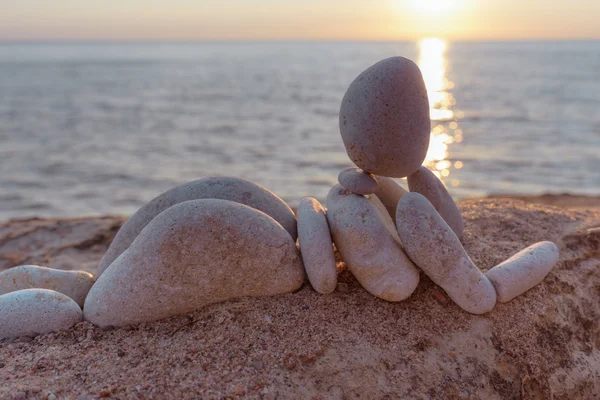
(364, 235)
(523, 271)
(32, 312)
(357, 181)
(435, 248)
(425, 182)
(390, 193)
(384, 118)
(224, 188)
(75, 284)
(316, 246)
(193, 254)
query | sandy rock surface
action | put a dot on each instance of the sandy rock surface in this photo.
(195, 253)
(316, 246)
(384, 118)
(74, 284)
(30, 312)
(543, 344)
(224, 188)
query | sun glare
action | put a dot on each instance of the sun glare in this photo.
(444, 132)
(432, 7)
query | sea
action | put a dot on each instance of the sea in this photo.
(101, 128)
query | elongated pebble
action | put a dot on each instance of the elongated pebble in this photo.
(362, 232)
(523, 271)
(425, 182)
(390, 193)
(32, 312)
(316, 246)
(357, 181)
(434, 247)
(75, 284)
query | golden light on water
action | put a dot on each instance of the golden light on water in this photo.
(444, 128)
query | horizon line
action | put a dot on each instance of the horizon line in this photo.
(307, 40)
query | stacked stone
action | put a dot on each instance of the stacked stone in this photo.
(216, 239)
(385, 127)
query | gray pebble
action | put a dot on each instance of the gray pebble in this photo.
(425, 182)
(523, 271)
(364, 234)
(357, 181)
(224, 188)
(316, 246)
(32, 312)
(193, 254)
(384, 118)
(389, 192)
(434, 247)
(75, 284)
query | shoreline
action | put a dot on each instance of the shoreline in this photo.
(305, 345)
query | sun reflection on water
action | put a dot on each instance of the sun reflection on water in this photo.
(444, 128)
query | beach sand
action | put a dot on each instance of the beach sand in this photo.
(544, 344)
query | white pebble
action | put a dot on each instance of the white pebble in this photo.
(316, 246)
(364, 234)
(75, 284)
(193, 254)
(424, 181)
(224, 188)
(434, 247)
(357, 181)
(523, 271)
(390, 193)
(32, 312)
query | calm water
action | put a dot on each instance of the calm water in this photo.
(102, 128)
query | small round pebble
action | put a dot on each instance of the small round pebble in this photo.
(316, 246)
(425, 182)
(523, 271)
(357, 181)
(390, 193)
(384, 118)
(434, 247)
(33, 312)
(75, 284)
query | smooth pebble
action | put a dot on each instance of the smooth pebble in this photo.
(384, 118)
(364, 235)
(357, 181)
(316, 246)
(390, 193)
(75, 284)
(523, 271)
(32, 312)
(224, 188)
(193, 254)
(434, 247)
(425, 182)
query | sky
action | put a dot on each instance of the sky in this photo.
(298, 19)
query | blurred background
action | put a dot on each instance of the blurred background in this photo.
(106, 104)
